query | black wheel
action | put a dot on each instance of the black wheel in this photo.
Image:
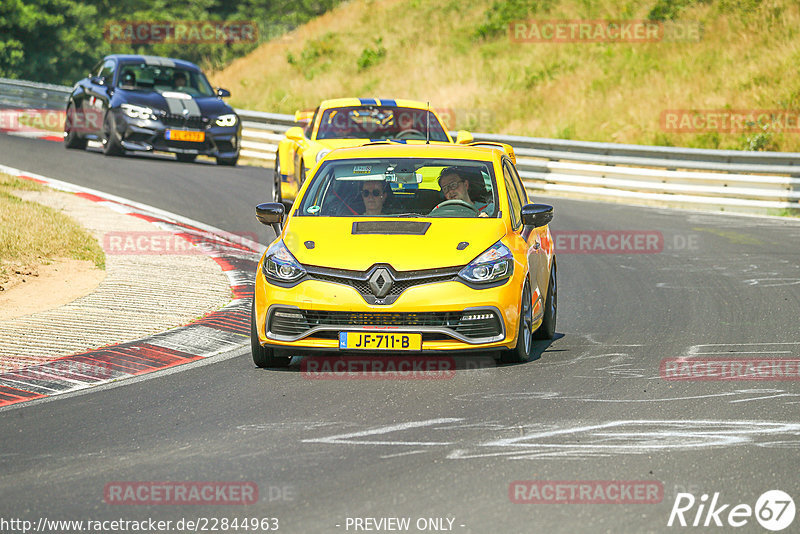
(111, 146)
(71, 138)
(186, 158)
(263, 356)
(522, 351)
(229, 162)
(276, 181)
(548, 327)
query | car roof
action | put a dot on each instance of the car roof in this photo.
(153, 60)
(439, 150)
(388, 102)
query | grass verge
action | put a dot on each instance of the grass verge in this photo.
(33, 235)
(461, 57)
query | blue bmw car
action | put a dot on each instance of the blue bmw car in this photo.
(147, 103)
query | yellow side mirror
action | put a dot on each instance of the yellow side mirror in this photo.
(295, 133)
(464, 137)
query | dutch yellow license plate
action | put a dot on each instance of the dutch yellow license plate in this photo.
(185, 135)
(379, 341)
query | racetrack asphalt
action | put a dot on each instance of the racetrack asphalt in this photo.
(591, 406)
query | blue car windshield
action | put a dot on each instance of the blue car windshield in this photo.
(143, 77)
(401, 187)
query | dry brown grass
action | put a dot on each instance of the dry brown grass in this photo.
(747, 59)
(32, 235)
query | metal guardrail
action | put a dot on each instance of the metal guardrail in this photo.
(721, 179)
(24, 94)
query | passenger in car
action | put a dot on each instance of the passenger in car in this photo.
(374, 195)
(179, 81)
(455, 186)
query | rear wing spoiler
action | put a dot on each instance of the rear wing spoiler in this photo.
(303, 116)
(508, 149)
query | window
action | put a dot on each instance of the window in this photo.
(514, 202)
(378, 122)
(399, 187)
(523, 193)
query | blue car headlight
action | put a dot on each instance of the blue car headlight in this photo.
(226, 120)
(280, 266)
(495, 264)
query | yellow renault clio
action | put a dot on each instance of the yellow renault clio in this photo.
(406, 249)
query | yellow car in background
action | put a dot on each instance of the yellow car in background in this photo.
(374, 257)
(349, 122)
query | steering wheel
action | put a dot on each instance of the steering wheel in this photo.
(455, 207)
(410, 131)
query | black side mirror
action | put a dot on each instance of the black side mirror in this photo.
(223, 93)
(98, 80)
(270, 213)
(536, 215)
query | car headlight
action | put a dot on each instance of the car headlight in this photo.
(227, 120)
(322, 153)
(280, 266)
(137, 112)
(496, 263)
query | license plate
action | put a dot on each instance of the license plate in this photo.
(185, 135)
(379, 341)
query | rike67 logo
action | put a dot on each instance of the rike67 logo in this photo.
(774, 510)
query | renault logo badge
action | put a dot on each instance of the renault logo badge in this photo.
(380, 282)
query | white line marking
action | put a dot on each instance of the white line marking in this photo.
(345, 439)
(385, 456)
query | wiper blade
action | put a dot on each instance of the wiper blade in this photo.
(407, 215)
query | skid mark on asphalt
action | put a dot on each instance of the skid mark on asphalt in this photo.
(567, 441)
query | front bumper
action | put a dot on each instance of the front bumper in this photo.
(450, 315)
(149, 135)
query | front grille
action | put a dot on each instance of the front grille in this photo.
(471, 324)
(179, 121)
(359, 280)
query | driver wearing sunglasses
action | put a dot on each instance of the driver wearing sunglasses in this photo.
(374, 195)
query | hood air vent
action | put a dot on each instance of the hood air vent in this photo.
(391, 227)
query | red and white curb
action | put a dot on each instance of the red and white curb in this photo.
(216, 333)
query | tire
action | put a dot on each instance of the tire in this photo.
(71, 138)
(228, 162)
(547, 330)
(522, 352)
(276, 181)
(111, 146)
(263, 357)
(186, 158)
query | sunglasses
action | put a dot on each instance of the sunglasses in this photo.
(451, 186)
(374, 192)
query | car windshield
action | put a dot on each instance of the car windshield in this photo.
(143, 77)
(378, 123)
(401, 187)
